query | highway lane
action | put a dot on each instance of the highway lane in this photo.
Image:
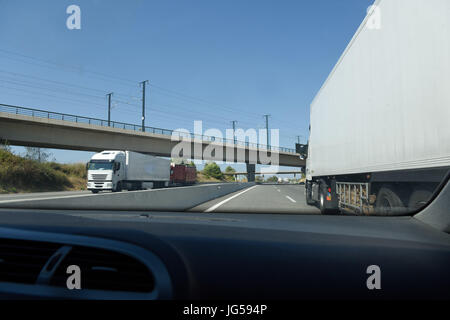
(40, 195)
(163, 199)
(285, 199)
(57, 194)
(63, 194)
(276, 199)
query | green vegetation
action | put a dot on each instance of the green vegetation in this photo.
(272, 179)
(230, 169)
(212, 170)
(38, 154)
(212, 173)
(203, 178)
(192, 164)
(19, 174)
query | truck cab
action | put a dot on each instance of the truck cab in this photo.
(105, 171)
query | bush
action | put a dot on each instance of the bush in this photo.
(213, 170)
(20, 174)
(76, 169)
(259, 179)
(192, 164)
(230, 169)
(272, 179)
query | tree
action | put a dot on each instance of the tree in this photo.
(272, 179)
(259, 179)
(213, 170)
(192, 164)
(37, 154)
(4, 145)
(230, 169)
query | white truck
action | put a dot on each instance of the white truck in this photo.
(118, 170)
(379, 140)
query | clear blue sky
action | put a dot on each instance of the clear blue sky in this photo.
(239, 59)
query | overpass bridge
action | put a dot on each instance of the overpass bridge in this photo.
(40, 128)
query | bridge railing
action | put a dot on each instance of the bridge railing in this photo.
(129, 126)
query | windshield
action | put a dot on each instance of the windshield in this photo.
(222, 106)
(100, 166)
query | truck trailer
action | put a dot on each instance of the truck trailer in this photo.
(119, 170)
(182, 174)
(126, 170)
(379, 139)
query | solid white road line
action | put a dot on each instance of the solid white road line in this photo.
(47, 198)
(214, 207)
(95, 195)
(291, 199)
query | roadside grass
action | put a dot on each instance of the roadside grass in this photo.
(201, 177)
(18, 174)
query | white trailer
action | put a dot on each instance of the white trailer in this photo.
(142, 167)
(118, 170)
(380, 125)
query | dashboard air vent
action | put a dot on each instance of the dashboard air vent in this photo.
(105, 270)
(21, 261)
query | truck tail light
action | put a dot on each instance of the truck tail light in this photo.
(329, 194)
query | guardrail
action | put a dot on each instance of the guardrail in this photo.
(128, 126)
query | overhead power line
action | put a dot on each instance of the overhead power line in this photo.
(26, 76)
(65, 66)
(129, 83)
(110, 77)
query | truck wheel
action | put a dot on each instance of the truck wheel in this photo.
(389, 203)
(419, 198)
(118, 187)
(322, 202)
(94, 191)
(309, 200)
(326, 207)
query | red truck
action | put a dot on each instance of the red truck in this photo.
(181, 174)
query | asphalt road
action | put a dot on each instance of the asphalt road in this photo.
(275, 199)
(52, 195)
(40, 195)
(60, 194)
(261, 199)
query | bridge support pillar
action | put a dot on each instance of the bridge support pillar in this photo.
(251, 169)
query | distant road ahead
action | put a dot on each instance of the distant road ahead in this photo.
(262, 199)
